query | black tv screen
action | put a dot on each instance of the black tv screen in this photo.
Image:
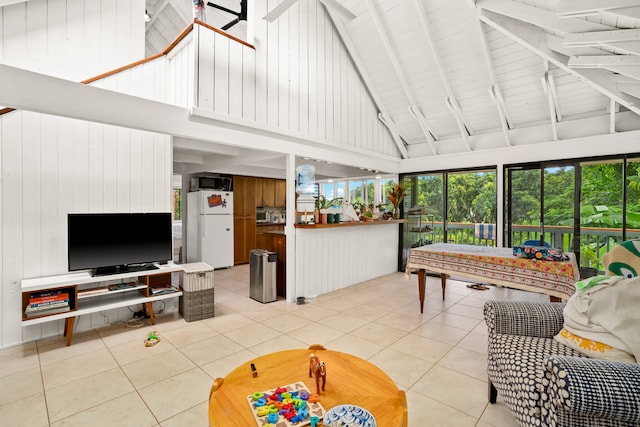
(117, 242)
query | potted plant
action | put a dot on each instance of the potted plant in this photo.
(357, 206)
(396, 195)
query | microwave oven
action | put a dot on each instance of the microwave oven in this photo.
(211, 183)
(263, 215)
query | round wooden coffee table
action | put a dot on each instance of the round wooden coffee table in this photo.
(350, 380)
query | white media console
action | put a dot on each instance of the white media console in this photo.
(89, 294)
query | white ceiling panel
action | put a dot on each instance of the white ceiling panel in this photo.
(514, 63)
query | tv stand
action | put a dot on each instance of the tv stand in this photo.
(90, 294)
(117, 269)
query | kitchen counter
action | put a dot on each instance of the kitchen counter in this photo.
(333, 256)
(351, 224)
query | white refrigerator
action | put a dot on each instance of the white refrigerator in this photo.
(210, 227)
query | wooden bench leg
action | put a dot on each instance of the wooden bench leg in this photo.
(493, 393)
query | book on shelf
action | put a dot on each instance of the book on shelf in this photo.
(47, 306)
(42, 311)
(49, 293)
(48, 303)
(33, 299)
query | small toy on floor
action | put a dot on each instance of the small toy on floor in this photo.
(151, 339)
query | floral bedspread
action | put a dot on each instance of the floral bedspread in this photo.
(497, 266)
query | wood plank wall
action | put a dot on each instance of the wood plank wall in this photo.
(299, 78)
(73, 39)
(329, 259)
(50, 166)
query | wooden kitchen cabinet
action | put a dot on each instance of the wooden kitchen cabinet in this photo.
(249, 193)
(244, 239)
(244, 196)
(281, 193)
(244, 217)
(268, 192)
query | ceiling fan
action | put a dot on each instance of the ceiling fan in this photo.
(329, 4)
(241, 16)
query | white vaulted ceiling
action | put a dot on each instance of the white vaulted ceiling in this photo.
(464, 75)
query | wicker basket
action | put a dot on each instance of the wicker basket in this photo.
(197, 300)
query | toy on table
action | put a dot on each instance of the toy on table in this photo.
(319, 370)
(286, 406)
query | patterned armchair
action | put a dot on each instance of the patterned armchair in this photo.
(545, 383)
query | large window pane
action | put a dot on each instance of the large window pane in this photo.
(355, 191)
(633, 199)
(600, 211)
(524, 205)
(559, 190)
(430, 195)
(471, 199)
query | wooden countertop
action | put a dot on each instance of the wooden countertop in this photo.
(351, 224)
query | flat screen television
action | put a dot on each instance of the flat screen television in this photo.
(110, 243)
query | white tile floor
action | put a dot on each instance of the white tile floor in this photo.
(108, 378)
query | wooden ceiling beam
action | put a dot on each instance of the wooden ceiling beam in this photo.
(603, 61)
(395, 63)
(630, 89)
(432, 135)
(451, 101)
(501, 114)
(390, 51)
(539, 17)
(571, 8)
(395, 133)
(362, 71)
(548, 86)
(598, 37)
(534, 39)
(629, 13)
(494, 91)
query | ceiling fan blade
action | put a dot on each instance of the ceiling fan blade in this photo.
(230, 24)
(222, 8)
(278, 10)
(339, 9)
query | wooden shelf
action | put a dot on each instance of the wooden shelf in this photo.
(139, 293)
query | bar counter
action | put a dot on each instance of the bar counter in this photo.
(351, 224)
(333, 256)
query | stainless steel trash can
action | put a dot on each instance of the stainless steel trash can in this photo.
(262, 275)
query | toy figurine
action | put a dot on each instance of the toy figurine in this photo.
(317, 369)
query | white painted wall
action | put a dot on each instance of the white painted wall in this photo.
(328, 259)
(73, 39)
(308, 86)
(50, 166)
